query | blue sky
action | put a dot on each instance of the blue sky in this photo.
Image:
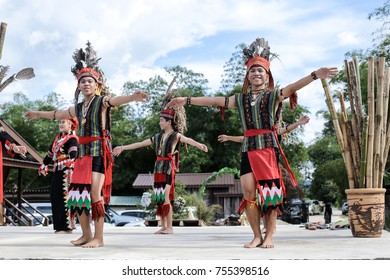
(137, 39)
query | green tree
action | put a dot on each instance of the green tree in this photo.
(233, 71)
(38, 133)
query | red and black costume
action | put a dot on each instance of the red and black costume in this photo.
(165, 166)
(62, 152)
(94, 156)
(260, 147)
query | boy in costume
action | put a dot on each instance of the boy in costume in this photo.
(92, 174)
(257, 105)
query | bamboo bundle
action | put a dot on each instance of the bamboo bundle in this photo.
(364, 140)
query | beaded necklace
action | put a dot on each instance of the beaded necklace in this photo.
(85, 109)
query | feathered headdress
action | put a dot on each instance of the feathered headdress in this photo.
(178, 115)
(258, 53)
(87, 66)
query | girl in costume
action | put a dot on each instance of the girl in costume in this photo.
(173, 125)
(63, 152)
(257, 105)
(92, 174)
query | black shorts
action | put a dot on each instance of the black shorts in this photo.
(98, 164)
(245, 165)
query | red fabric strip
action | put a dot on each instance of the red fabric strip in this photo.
(173, 165)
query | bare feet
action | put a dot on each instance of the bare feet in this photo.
(160, 230)
(256, 242)
(94, 243)
(167, 230)
(62, 231)
(267, 243)
(81, 241)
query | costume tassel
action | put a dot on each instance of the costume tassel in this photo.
(159, 210)
(163, 210)
(293, 100)
(97, 210)
(243, 204)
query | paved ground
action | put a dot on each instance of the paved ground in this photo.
(292, 242)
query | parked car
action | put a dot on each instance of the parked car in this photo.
(295, 212)
(314, 207)
(37, 212)
(344, 208)
(134, 213)
(123, 220)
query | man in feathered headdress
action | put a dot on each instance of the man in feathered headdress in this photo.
(258, 106)
(173, 125)
(92, 170)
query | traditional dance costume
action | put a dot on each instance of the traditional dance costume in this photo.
(94, 155)
(164, 170)
(260, 147)
(63, 152)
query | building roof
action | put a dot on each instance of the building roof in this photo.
(190, 180)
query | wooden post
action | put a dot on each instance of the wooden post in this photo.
(3, 28)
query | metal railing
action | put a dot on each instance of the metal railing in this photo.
(24, 215)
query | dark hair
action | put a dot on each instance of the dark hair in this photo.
(173, 124)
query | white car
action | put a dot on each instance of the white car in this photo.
(122, 220)
(134, 213)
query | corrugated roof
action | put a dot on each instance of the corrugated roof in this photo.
(190, 180)
(125, 200)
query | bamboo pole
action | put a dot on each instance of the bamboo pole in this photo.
(380, 72)
(370, 124)
(332, 110)
(386, 132)
(355, 119)
(351, 77)
(359, 106)
(347, 156)
(3, 29)
(363, 163)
